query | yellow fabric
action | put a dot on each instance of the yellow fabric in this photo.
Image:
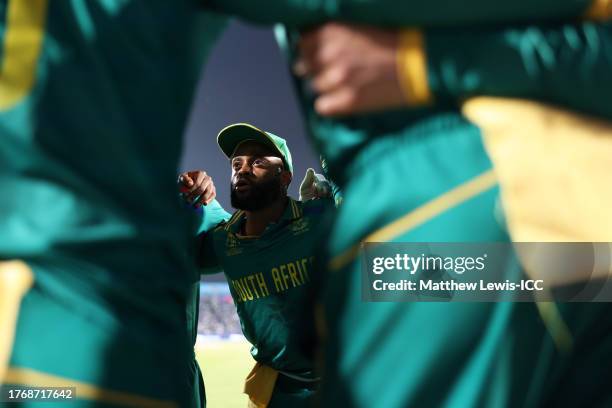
(554, 169)
(259, 385)
(16, 278)
(412, 68)
(566, 264)
(600, 10)
(23, 39)
(32, 378)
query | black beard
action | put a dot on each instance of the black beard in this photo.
(261, 195)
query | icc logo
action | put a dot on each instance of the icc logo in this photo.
(299, 226)
(232, 245)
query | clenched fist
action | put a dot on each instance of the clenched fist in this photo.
(197, 187)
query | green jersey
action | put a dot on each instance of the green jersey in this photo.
(210, 216)
(94, 99)
(90, 140)
(270, 279)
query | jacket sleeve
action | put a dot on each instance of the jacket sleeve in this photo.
(207, 260)
(401, 13)
(211, 216)
(565, 64)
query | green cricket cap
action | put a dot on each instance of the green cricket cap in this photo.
(232, 136)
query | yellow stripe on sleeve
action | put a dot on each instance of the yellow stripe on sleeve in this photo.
(23, 39)
(412, 68)
(422, 214)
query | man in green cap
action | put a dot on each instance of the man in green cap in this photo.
(98, 262)
(266, 250)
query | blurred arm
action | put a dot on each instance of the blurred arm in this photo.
(566, 64)
(356, 69)
(403, 13)
(211, 215)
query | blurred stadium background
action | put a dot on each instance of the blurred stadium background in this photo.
(221, 349)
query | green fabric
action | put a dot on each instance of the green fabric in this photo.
(230, 137)
(125, 352)
(565, 64)
(453, 355)
(399, 13)
(209, 216)
(417, 354)
(64, 191)
(270, 281)
(87, 172)
(89, 156)
(290, 393)
(436, 354)
(199, 391)
(388, 164)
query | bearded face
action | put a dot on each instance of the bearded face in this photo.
(249, 193)
(258, 178)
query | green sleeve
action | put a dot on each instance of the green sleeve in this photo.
(567, 64)
(207, 260)
(399, 13)
(211, 215)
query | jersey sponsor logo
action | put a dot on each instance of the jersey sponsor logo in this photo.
(300, 226)
(232, 245)
(278, 279)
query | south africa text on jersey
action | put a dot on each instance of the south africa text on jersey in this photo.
(279, 278)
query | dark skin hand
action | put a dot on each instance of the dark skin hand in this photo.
(197, 187)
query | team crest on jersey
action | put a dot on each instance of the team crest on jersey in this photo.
(232, 245)
(300, 226)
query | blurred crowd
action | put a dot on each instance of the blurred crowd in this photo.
(218, 315)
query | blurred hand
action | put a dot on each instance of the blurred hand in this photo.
(352, 68)
(197, 187)
(314, 186)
